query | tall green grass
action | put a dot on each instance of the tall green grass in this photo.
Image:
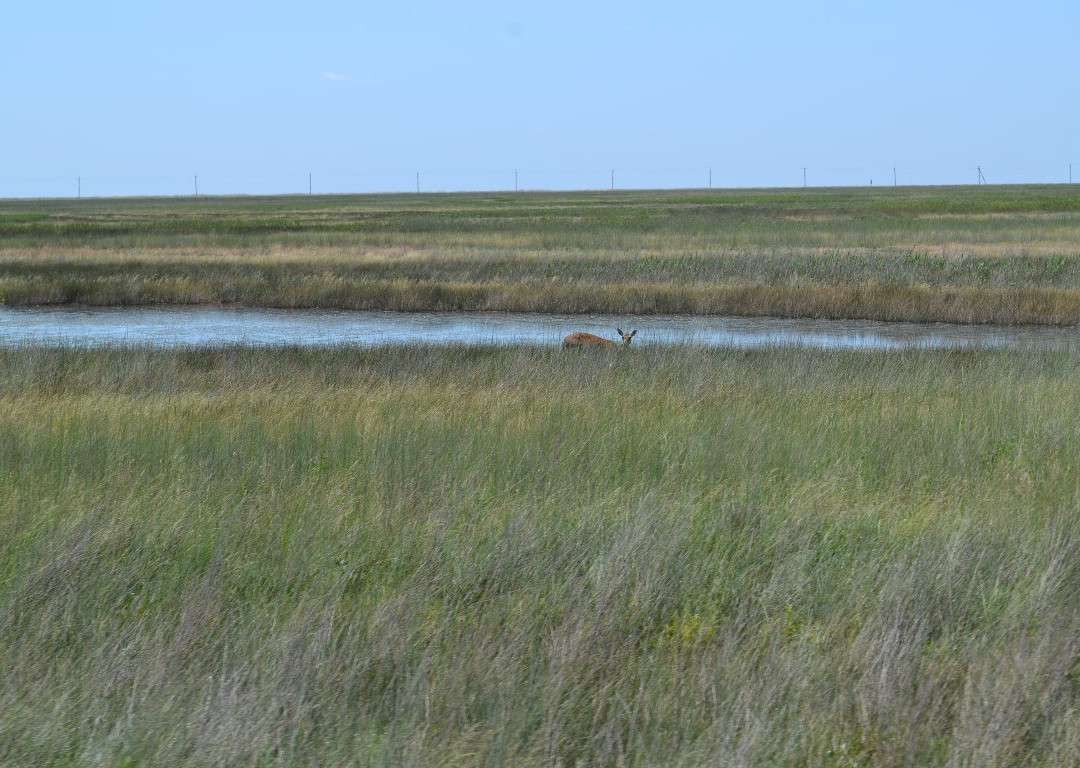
(532, 557)
(1002, 254)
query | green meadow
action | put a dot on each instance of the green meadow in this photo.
(531, 557)
(982, 254)
(520, 556)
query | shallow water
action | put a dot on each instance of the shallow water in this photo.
(201, 326)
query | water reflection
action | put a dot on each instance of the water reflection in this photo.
(181, 326)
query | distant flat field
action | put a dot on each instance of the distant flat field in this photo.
(985, 254)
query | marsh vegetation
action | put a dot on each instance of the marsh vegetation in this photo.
(1005, 255)
(527, 556)
(499, 556)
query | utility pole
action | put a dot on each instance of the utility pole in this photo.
(196, 186)
(309, 183)
(515, 181)
(982, 179)
(710, 178)
(613, 179)
(418, 182)
(80, 181)
(1070, 173)
(804, 177)
(894, 177)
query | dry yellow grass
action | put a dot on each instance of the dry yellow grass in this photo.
(1002, 255)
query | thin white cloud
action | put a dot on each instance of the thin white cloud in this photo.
(329, 74)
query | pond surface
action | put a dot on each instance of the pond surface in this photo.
(215, 326)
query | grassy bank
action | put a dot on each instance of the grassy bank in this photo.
(984, 254)
(527, 557)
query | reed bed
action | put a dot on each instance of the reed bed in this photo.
(503, 556)
(988, 254)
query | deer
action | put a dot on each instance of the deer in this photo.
(592, 341)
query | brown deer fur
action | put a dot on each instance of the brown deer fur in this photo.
(592, 341)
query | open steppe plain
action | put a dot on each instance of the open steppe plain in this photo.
(984, 254)
(536, 556)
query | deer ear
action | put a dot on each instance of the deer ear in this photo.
(634, 333)
(619, 330)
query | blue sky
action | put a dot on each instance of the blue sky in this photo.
(139, 97)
